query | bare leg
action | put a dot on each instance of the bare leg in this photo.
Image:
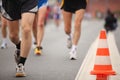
(77, 27)
(13, 27)
(4, 32)
(4, 27)
(67, 16)
(27, 23)
(34, 28)
(40, 25)
(77, 31)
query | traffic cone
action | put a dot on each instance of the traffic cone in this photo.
(102, 64)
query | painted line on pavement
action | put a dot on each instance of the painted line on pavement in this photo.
(87, 65)
(114, 55)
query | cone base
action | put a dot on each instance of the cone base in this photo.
(98, 72)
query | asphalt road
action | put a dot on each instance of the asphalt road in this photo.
(54, 63)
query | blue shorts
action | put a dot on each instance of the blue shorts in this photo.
(42, 3)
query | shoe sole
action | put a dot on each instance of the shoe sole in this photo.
(37, 53)
(3, 47)
(20, 75)
(73, 58)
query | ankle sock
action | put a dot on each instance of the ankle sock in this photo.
(22, 60)
(74, 47)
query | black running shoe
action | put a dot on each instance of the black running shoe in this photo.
(17, 56)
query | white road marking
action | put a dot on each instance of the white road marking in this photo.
(114, 55)
(87, 65)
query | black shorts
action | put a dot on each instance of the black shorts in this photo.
(73, 5)
(12, 9)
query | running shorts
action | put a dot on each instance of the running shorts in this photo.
(42, 3)
(12, 9)
(73, 5)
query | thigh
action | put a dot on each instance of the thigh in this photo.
(42, 6)
(28, 10)
(42, 14)
(35, 22)
(67, 16)
(3, 22)
(79, 14)
(13, 27)
(27, 19)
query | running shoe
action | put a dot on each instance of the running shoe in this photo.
(17, 56)
(20, 71)
(69, 43)
(3, 45)
(34, 45)
(38, 50)
(73, 55)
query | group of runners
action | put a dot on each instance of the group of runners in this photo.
(30, 16)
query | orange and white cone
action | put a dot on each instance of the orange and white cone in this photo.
(102, 64)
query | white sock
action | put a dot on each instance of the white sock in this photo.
(74, 47)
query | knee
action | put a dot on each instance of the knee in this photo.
(78, 23)
(26, 29)
(67, 30)
(78, 20)
(26, 32)
(13, 36)
(40, 24)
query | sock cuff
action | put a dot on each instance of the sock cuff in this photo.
(22, 60)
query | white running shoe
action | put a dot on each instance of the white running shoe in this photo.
(3, 45)
(20, 70)
(73, 55)
(69, 43)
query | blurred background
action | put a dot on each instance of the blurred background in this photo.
(98, 8)
(54, 63)
(95, 8)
